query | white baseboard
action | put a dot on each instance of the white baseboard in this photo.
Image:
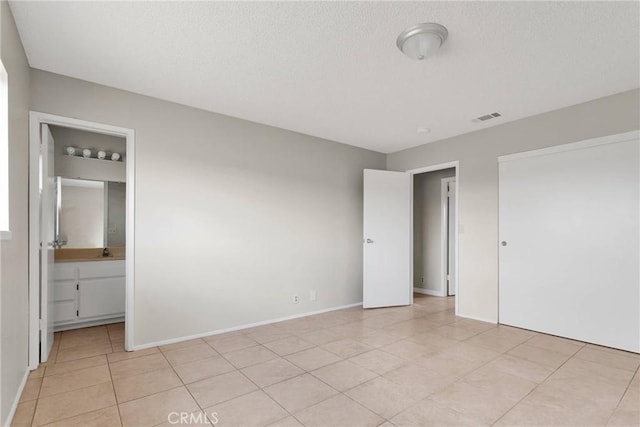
(427, 292)
(16, 399)
(245, 326)
(78, 325)
(480, 319)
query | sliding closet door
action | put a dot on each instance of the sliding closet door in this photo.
(569, 241)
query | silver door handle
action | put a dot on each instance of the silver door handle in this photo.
(368, 241)
(57, 244)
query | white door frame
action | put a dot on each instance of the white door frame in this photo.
(456, 165)
(444, 234)
(36, 119)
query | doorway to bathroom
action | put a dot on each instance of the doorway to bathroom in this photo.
(81, 238)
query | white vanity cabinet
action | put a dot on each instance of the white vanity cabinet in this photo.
(88, 293)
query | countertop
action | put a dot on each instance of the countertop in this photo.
(116, 253)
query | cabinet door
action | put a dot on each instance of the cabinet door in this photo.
(101, 297)
(64, 303)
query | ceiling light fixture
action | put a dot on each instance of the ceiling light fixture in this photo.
(421, 40)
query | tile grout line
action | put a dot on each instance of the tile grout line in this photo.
(626, 390)
(37, 399)
(70, 391)
(265, 393)
(113, 384)
(540, 383)
(35, 408)
(353, 323)
(461, 378)
(185, 385)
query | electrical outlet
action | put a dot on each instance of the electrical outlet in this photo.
(296, 299)
(313, 295)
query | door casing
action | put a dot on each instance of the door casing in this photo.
(456, 165)
(445, 234)
(36, 119)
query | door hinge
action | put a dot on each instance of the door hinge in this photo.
(77, 312)
(77, 286)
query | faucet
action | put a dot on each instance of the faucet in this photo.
(105, 252)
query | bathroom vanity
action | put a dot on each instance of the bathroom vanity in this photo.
(88, 292)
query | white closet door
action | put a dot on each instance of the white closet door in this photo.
(569, 242)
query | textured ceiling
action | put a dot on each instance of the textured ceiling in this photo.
(332, 69)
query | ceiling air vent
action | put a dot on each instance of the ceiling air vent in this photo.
(487, 117)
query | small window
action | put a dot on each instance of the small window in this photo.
(4, 154)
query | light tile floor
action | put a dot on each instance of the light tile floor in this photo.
(404, 366)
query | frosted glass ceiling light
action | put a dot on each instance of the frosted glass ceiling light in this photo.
(422, 40)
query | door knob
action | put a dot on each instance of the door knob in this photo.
(57, 244)
(369, 241)
(503, 243)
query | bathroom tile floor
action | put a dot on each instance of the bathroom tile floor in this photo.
(405, 366)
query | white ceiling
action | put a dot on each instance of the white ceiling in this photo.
(332, 69)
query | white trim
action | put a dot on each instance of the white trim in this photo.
(427, 292)
(439, 166)
(444, 235)
(36, 119)
(456, 165)
(479, 319)
(411, 219)
(34, 242)
(16, 399)
(87, 324)
(5, 199)
(587, 143)
(240, 327)
(5, 235)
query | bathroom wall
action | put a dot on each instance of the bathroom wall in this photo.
(116, 224)
(233, 218)
(427, 230)
(14, 310)
(477, 152)
(94, 169)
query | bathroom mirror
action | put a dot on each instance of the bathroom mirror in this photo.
(90, 214)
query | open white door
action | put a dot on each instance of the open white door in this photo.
(48, 203)
(387, 239)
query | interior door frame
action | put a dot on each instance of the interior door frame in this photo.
(447, 165)
(36, 119)
(444, 233)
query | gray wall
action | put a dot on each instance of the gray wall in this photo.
(232, 218)
(427, 229)
(477, 153)
(14, 317)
